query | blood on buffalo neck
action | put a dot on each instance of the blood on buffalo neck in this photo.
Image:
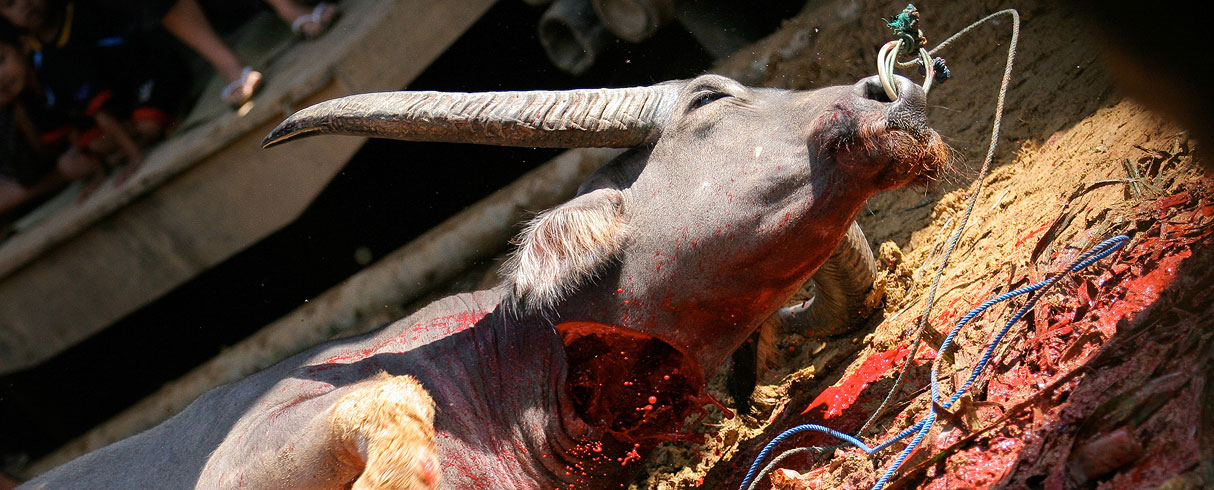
(635, 387)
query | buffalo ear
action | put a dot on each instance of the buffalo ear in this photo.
(565, 247)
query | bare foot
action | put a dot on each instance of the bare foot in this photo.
(312, 24)
(241, 90)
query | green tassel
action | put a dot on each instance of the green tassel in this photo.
(906, 26)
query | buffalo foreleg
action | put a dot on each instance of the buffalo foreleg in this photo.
(377, 433)
(390, 423)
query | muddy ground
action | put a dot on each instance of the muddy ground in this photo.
(1104, 383)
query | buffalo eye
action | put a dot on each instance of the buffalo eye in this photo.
(705, 97)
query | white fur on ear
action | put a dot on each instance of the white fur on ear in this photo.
(564, 247)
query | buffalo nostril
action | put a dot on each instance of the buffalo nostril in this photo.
(870, 88)
(909, 112)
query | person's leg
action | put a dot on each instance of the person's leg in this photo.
(306, 20)
(186, 21)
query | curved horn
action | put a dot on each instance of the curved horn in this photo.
(610, 118)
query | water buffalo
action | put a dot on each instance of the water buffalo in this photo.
(615, 308)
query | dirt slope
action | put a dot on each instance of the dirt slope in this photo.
(1104, 382)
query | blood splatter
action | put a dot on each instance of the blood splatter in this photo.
(838, 398)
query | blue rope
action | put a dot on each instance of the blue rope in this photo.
(920, 429)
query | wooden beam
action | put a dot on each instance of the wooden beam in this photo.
(210, 192)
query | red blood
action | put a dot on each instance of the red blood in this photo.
(612, 372)
(1034, 232)
(448, 325)
(1163, 204)
(837, 398)
(631, 456)
(1140, 292)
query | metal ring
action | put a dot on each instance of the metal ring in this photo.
(929, 70)
(887, 59)
(885, 68)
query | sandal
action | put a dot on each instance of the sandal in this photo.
(322, 16)
(241, 90)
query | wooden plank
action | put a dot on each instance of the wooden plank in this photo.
(360, 302)
(209, 192)
(159, 241)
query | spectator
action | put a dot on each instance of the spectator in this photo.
(62, 23)
(66, 25)
(127, 94)
(36, 154)
(306, 22)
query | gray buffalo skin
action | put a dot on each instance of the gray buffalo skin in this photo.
(617, 304)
